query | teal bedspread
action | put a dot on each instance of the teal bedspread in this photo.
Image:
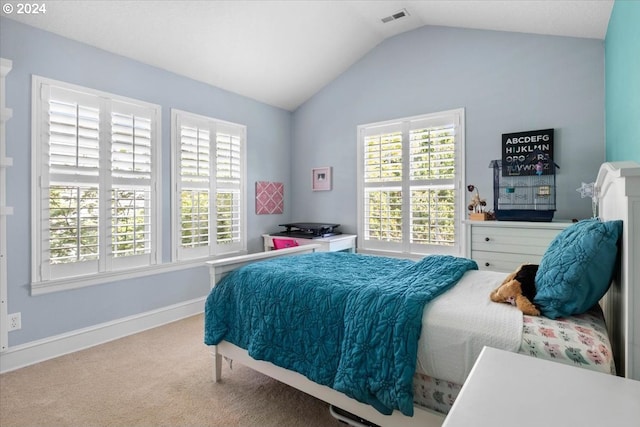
(347, 321)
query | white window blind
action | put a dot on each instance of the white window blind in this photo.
(209, 170)
(71, 203)
(383, 172)
(132, 226)
(195, 182)
(228, 184)
(409, 175)
(95, 163)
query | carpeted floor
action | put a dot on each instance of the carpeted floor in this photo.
(161, 377)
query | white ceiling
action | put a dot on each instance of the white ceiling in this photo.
(282, 52)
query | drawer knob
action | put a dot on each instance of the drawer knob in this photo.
(486, 264)
(486, 239)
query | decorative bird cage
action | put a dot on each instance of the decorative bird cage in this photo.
(524, 192)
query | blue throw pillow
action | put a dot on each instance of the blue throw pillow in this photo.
(577, 268)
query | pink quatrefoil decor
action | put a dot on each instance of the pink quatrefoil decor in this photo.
(269, 197)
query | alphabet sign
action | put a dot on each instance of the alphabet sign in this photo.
(527, 153)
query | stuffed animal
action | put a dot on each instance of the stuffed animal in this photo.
(519, 289)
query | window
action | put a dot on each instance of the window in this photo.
(96, 158)
(209, 170)
(409, 180)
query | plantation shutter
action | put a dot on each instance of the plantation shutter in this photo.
(194, 187)
(132, 185)
(408, 185)
(70, 181)
(95, 179)
(383, 186)
(432, 171)
(228, 187)
(210, 172)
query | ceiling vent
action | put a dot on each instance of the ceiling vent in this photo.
(398, 15)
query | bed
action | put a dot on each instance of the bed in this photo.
(619, 189)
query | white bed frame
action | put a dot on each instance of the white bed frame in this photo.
(619, 192)
(618, 187)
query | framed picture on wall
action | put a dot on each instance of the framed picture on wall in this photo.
(321, 179)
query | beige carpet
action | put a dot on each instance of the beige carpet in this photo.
(161, 377)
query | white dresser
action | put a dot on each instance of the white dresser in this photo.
(504, 245)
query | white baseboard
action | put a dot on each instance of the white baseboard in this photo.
(38, 351)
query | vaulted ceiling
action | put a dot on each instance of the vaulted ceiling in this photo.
(282, 52)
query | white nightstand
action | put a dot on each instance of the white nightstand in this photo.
(510, 389)
(341, 242)
(504, 245)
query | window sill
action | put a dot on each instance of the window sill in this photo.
(68, 283)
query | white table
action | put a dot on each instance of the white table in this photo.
(340, 242)
(510, 389)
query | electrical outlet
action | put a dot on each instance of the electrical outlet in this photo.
(15, 321)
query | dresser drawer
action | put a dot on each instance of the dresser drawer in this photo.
(503, 261)
(527, 241)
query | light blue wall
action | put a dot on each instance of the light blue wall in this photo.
(622, 54)
(37, 52)
(507, 82)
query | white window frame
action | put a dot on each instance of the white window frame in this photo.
(213, 126)
(47, 276)
(405, 248)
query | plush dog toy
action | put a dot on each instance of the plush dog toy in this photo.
(519, 289)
